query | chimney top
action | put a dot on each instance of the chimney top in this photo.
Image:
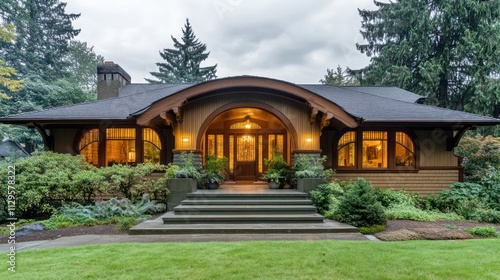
(109, 67)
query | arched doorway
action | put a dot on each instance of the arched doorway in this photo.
(246, 137)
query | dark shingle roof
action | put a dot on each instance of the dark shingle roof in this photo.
(371, 104)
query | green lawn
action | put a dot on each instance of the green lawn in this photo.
(471, 259)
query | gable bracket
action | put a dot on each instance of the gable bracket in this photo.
(452, 142)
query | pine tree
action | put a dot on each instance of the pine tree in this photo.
(447, 50)
(182, 64)
(339, 78)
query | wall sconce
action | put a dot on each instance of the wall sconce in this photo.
(185, 140)
(309, 140)
(247, 122)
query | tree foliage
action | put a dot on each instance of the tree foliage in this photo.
(447, 50)
(82, 63)
(182, 63)
(43, 31)
(7, 74)
(339, 77)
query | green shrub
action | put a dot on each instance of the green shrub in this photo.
(479, 154)
(372, 229)
(389, 198)
(359, 206)
(45, 179)
(125, 223)
(326, 196)
(408, 212)
(483, 231)
(129, 181)
(488, 215)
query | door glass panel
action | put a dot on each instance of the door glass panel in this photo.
(246, 148)
(220, 145)
(231, 153)
(211, 144)
(260, 160)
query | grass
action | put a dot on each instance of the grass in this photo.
(471, 259)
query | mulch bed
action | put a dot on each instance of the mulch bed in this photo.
(397, 230)
(402, 230)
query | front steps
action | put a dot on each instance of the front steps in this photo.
(244, 212)
(282, 206)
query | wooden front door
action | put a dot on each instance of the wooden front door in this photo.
(246, 157)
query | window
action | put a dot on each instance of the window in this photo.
(405, 152)
(89, 146)
(375, 150)
(347, 149)
(120, 146)
(152, 146)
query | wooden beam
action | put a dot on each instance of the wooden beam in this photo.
(452, 142)
(48, 141)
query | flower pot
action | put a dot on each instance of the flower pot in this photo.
(282, 183)
(273, 185)
(213, 186)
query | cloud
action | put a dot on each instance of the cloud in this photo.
(294, 41)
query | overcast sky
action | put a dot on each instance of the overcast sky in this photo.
(295, 41)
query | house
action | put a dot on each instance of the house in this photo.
(9, 148)
(383, 134)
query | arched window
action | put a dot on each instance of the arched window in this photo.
(405, 151)
(375, 150)
(152, 146)
(346, 149)
(89, 146)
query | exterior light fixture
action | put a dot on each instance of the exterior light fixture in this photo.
(247, 122)
(185, 139)
(309, 140)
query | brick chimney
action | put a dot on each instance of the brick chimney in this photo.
(110, 78)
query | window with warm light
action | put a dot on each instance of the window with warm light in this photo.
(405, 151)
(120, 146)
(152, 146)
(89, 146)
(374, 149)
(347, 149)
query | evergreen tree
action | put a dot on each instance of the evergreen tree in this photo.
(43, 32)
(339, 78)
(447, 50)
(182, 64)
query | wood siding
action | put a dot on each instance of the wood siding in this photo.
(195, 113)
(63, 140)
(433, 149)
(424, 182)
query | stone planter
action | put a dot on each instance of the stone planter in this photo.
(273, 185)
(308, 184)
(179, 188)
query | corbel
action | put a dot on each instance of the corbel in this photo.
(452, 142)
(178, 114)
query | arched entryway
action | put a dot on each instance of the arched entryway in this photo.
(246, 136)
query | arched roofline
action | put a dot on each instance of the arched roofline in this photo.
(177, 100)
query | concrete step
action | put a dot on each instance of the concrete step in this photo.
(170, 218)
(206, 195)
(246, 202)
(243, 209)
(157, 226)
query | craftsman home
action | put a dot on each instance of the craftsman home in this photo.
(383, 134)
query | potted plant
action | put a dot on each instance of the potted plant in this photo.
(214, 172)
(309, 172)
(273, 179)
(278, 169)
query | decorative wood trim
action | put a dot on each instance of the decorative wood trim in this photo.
(288, 124)
(48, 141)
(452, 142)
(242, 84)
